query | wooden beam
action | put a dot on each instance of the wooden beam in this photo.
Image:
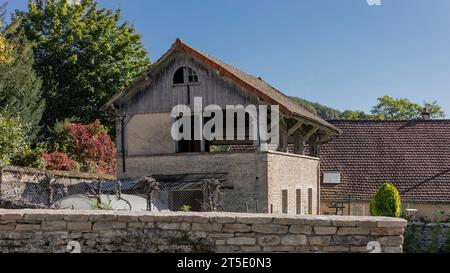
(311, 132)
(315, 124)
(299, 143)
(295, 127)
(283, 137)
(313, 147)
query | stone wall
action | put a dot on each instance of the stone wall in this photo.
(245, 173)
(107, 231)
(254, 180)
(292, 172)
(427, 238)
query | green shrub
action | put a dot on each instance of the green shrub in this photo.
(386, 202)
(434, 246)
(31, 157)
(96, 205)
(61, 139)
(12, 137)
(186, 208)
(411, 243)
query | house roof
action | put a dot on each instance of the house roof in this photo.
(251, 83)
(413, 155)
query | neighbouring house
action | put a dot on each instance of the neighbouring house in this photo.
(413, 155)
(255, 180)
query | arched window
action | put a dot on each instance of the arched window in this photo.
(185, 75)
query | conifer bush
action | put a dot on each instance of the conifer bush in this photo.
(386, 202)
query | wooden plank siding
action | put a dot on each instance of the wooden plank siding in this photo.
(161, 95)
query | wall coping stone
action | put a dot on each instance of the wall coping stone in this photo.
(98, 215)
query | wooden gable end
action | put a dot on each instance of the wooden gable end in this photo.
(160, 94)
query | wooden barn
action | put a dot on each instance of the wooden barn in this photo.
(262, 178)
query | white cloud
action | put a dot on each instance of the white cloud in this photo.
(374, 2)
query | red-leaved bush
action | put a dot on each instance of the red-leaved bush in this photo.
(93, 147)
(57, 161)
(89, 145)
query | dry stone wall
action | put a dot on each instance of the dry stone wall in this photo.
(107, 231)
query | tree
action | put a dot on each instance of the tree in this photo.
(20, 87)
(403, 109)
(386, 202)
(354, 115)
(318, 109)
(83, 54)
(5, 47)
(389, 108)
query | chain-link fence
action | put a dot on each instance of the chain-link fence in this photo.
(29, 188)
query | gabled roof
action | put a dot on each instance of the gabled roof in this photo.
(413, 155)
(251, 83)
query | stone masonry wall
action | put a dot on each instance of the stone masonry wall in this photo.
(292, 172)
(427, 237)
(107, 231)
(245, 173)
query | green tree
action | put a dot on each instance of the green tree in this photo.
(403, 109)
(12, 137)
(20, 87)
(354, 115)
(386, 202)
(83, 54)
(5, 47)
(323, 111)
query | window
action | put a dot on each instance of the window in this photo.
(298, 201)
(192, 76)
(310, 201)
(331, 177)
(178, 78)
(185, 75)
(359, 210)
(284, 201)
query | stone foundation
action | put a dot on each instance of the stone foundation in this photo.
(106, 231)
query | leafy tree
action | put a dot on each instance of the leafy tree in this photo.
(403, 109)
(5, 50)
(20, 87)
(386, 202)
(323, 111)
(435, 110)
(354, 115)
(5, 47)
(83, 54)
(389, 108)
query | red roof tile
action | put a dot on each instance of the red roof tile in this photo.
(413, 155)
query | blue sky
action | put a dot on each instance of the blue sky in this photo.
(342, 53)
